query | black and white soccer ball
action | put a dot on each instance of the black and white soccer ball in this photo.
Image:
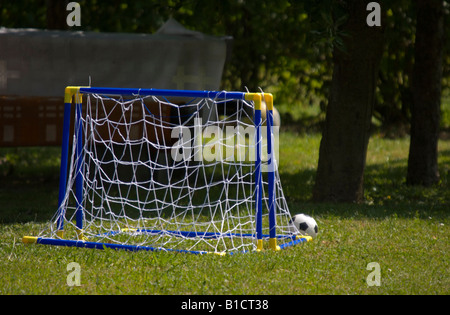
(303, 224)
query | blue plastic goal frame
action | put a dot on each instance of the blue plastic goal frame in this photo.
(74, 95)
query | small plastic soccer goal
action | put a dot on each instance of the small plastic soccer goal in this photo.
(171, 170)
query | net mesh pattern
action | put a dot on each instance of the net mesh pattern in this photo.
(169, 173)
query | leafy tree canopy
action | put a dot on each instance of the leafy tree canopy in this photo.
(283, 46)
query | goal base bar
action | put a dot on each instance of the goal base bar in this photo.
(296, 239)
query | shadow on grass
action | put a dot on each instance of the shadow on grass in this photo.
(385, 190)
(30, 193)
(29, 181)
(26, 199)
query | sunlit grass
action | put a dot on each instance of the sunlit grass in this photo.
(403, 229)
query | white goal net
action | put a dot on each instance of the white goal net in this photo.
(171, 170)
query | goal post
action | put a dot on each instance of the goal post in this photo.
(174, 170)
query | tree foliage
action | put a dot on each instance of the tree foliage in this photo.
(282, 46)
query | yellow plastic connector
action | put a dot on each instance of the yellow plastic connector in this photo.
(218, 253)
(268, 98)
(255, 97)
(29, 240)
(70, 92)
(125, 230)
(73, 91)
(273, 244)
(80, 235)
(259, 246)
(306, 237)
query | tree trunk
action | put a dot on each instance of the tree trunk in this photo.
(343, 148)
(426, 91)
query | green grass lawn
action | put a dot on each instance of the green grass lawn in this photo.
(403, 229)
